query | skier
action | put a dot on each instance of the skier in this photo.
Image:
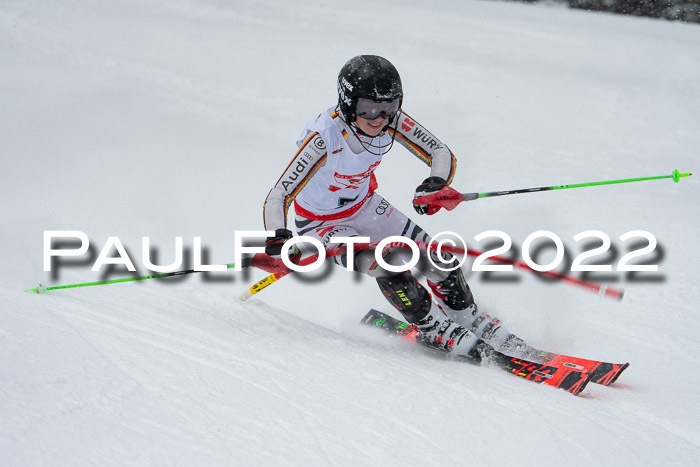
(331, 182)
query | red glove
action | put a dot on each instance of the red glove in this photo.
(429, 186)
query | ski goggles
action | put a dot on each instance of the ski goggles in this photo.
(371, 110)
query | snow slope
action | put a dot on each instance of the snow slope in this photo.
(167, 119)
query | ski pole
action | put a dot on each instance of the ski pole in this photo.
(41, 289)
(610, 292)
(277, 275)
(449, 198)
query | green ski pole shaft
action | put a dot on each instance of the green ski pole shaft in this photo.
(676, 176)
(40, 289)
(449, 198)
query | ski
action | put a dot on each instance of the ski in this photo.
(603, 373)
(570, 379)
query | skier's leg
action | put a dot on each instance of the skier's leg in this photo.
(378, 219)
(413, 301)
(450, 289)
(456, 299)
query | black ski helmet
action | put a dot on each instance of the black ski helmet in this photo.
(368, 76)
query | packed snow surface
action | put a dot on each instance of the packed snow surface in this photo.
(158, 119)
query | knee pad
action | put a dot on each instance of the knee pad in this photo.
(406, 295)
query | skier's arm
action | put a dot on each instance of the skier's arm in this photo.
(426, 147)
(307, 160)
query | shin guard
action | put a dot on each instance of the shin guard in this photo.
(406, 295)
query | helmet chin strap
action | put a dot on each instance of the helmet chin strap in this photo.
(368, 145)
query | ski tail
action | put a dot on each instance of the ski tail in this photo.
(383, 321)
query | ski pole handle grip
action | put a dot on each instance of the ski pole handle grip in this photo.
(447, 198)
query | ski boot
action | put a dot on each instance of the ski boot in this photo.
(455, 298)
(483, 352)
(437, 330)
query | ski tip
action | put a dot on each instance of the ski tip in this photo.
(578, 387)
(619, 372)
